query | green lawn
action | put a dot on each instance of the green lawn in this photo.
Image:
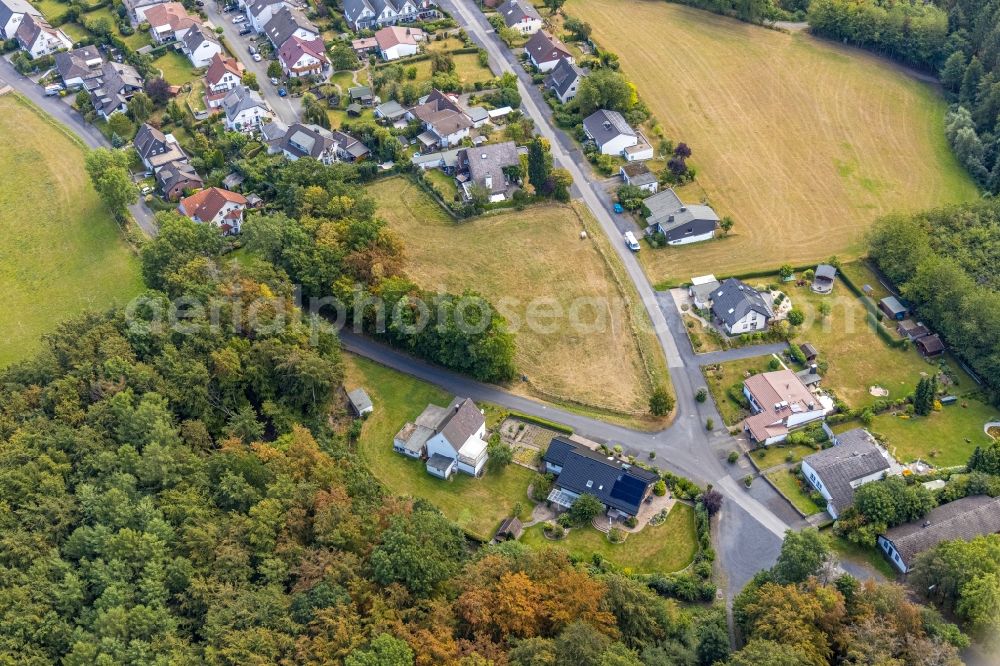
(788, 483)
(776, 454)
(727, 374)
(344, 79)
(849, 550)
(176, 68)
(51, 9)
(665, 548)
(75, 31)
(477, 505)
(136, 40)
(442, 183)
(943, 439)
(60, 251)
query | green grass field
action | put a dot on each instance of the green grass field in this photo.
(476, 505)
(52, 10)
(721, 378)
(665, 548)
(442, 183)
(776, 454)
(943, 438)
(60, 251)
(803, 142)
(786, 481)
(176, 68)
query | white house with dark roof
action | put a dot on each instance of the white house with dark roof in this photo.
(564, 79)
(964, 519)
(449, 438)
(740, 308)
(200, 46)
(373, 14)
(155, 148)
(12, 12)
(679, 223)
(521, 16)
(445, 122)
(854, 460)
(780, 402)
(245, 109)
(545, 51)
(118, 83)
(610, 132)
(288, 22)
(259, 12)
(79, 67)
(38, 38)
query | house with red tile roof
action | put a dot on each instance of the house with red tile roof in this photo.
(396, 42)
(223, 75)
(215, 206)
(780, 402)
(169, 22)
(303, 57)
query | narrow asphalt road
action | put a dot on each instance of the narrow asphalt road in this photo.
(63, 113)
(287, 109)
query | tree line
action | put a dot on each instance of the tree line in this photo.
(944, 262)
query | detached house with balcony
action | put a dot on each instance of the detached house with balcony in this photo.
(739, 308)
(215, 206)
(445, 122)
(12, 12)
(79, 68)
(155, 148)
(117, 84)
(223, 75)
(780, 402)
(245, 110)
(169, 22)
(520, 16)
(303, 57)
(679, 223)
(38, 38)
(201, 46)
(564, 80)
(450, 439)
(545, 51)
(288, 22)
(486, 167)
(373, 14)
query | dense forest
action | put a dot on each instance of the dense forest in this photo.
(957, 39)
(944, 261)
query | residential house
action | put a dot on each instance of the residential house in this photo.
(450, 438)
(610, 132)
(38, 38)
(892, 308)
(259, 12)
(620, 486)
(360, 403)
(80, 67)
(780, 402)
(349, 149)
(303, 57)
(364, 45)
(446, 160)
(912, 330)
(930, 345)
(155, 148)
(361, 95)
(521, 16)
(373, 14)
(201, 46)
(176, 178)
(245, 109)
(12, 12)
(224, 74)
(965, 519)
(740, 308)
(303, 140)
(217, 206)
(638, 175)
(680, 223)
(136, 9)
(564, 79)
(445, 122)
(169, 22)
(701, 290)
(288, 22)
(117, 84)
(545, 51)
(838, 471)
(396, 42)
(823, 279)
(487, 167)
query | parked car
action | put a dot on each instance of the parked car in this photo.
(239, 19)
(257, 57)
(274, 80)
(618, 208)
(199, 3)
(631, 242)
(282, 92)
(251, 49)
(147, 189)
(246, 30)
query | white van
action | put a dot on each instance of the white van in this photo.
(631, 242)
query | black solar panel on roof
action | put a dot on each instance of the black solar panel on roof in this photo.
(628, 489)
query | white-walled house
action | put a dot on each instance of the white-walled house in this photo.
(223, 75)
(545, 51)
(396, 42)
(303, 57)
(372, 14)
(215, 206)
(451, 438)
(521, 16)
(12, 12)
(245, 109)
(610, 132)
(679, 223)
(38, 38)
(260, 12)
(169, 22)
(854, 460)
(740, 308)
(780, 402)
(201, 46)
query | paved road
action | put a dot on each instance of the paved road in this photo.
(288, 109)
(63, 113)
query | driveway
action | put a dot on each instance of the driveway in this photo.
(57, 107)
(288, 109)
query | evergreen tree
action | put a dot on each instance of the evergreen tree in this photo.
(539, 165)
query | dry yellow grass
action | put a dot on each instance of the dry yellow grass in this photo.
(802, 142)
(513, 258)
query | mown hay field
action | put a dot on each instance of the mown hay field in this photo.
(803, 142)
(535, 256)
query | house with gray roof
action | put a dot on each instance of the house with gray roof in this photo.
(372, 14)
(701, 290)
(79, 67)
(521, 16)
(155, 148)
(740, 308)
(564, 79)
(487, 167)
(200, 46)
(360, 402)
(964, 519)
(823, 279)
(287, 22)
(349, 149)
(620, 486)
(12, 12)
(545, 51)
(680, 223)
(610, 132)
(177, 178)
(117, 84)
(638, 175)
(245, 110)
(855, 460)
(38, 38)
(450, 438)
(305, 140)
(390, 111)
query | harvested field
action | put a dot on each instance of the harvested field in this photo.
(803, 142)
